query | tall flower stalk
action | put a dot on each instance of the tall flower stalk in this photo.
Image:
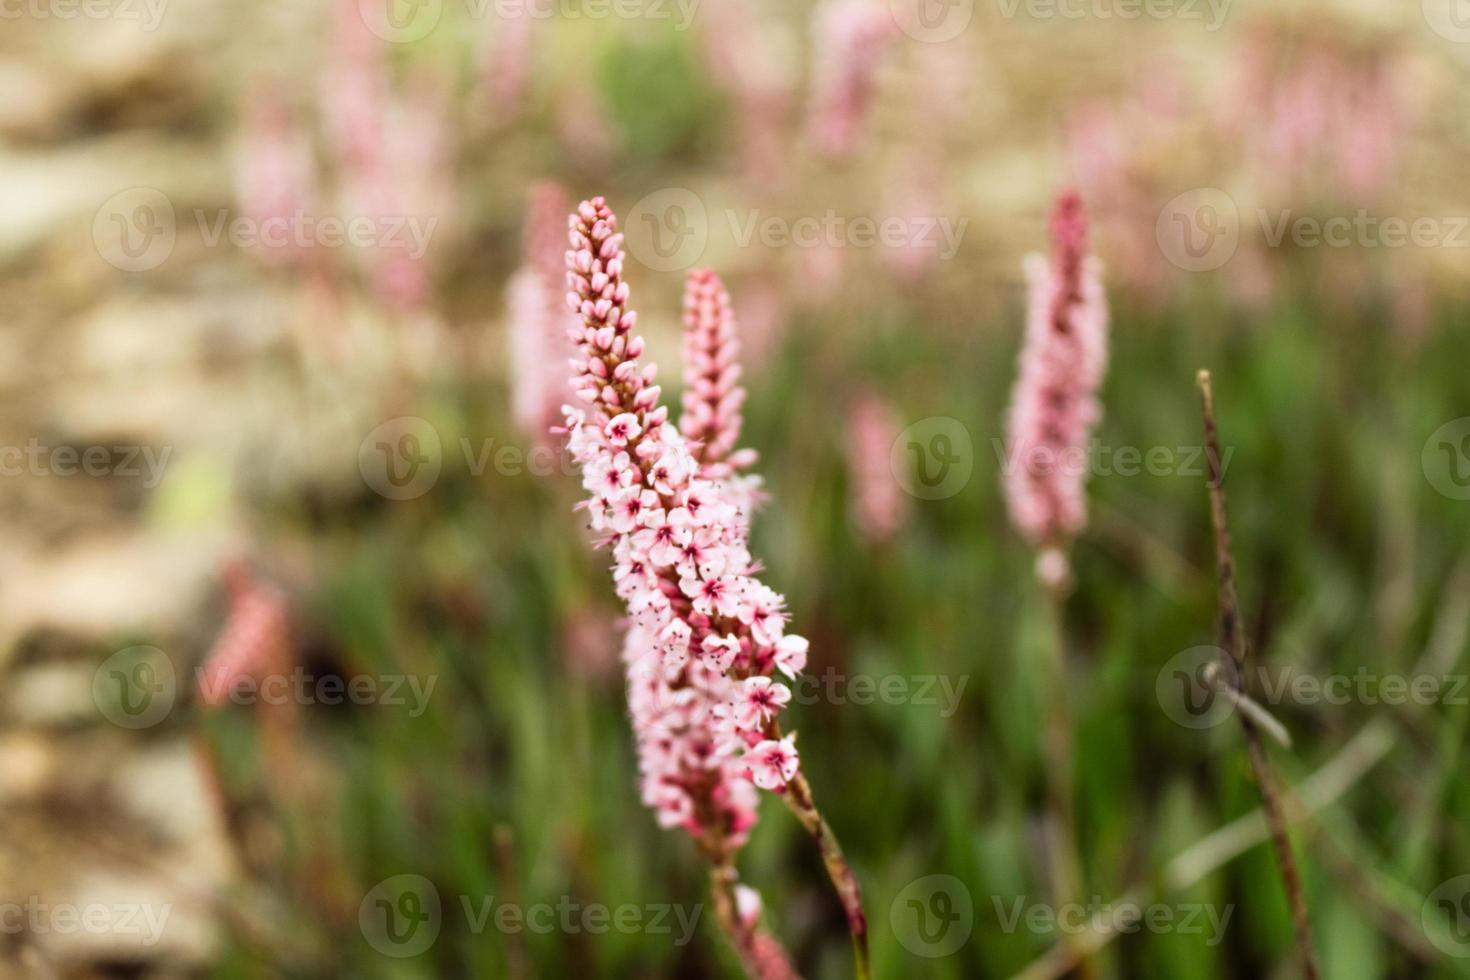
(706, 637)
(1233, 673)
(1054, 408)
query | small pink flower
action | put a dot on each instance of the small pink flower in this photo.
(791, 654)
(773, 764)
(720, 651)
(622, 428)
(760, 700)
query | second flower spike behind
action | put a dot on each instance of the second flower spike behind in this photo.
(1054, 405)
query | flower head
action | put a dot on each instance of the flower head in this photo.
(1054, 404)
(704, 633)
(878, 506)
(850, 38)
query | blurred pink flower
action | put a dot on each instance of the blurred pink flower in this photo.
(394, 157)
(712, 399)
(912, 195)
(406, 185)
(1054, 404)
(761, 312)
(849, 38)
(878, 506)
(538, 317)
(275, 178)
(255, 641)
(701, 626)
(354, 85)
(507, 55)
(752, 58)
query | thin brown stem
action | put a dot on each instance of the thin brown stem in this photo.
(1232, 662)
(798, 797)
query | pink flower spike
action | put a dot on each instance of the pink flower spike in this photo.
(849, 39)
(879, 507)
(712, 398)
(1054, 404)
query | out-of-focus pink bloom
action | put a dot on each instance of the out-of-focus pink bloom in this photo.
(761, 312)
(588, 645)
(354, 86)
(821, 271)
(406, 185)
(713, 396)
(583, 125)
(701, 625)
(912, 192)
(878, 506)
(1332, 117)
(1054, 404)
(752, 58)
(275, 179)
(508, 52)
(539, 320)
(849, 38)
(771, 961)
(255, 641)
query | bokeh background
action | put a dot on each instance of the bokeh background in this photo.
(303, 458)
